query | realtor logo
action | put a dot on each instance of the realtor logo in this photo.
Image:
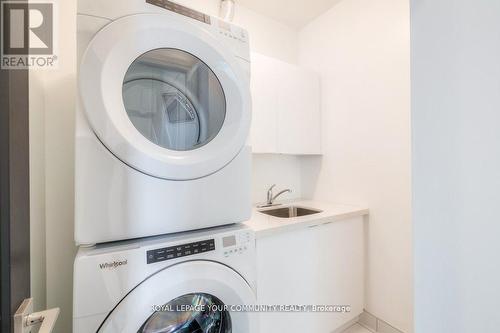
(28, 35)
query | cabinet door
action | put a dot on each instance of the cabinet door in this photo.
(286, 108)
(264, 83)
(285, 269)
(299, 117)
(339, 275)
(322, 265)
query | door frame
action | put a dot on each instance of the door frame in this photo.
(14, 193)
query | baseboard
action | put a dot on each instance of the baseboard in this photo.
(346, 325)
(368, 321)
(376, 325)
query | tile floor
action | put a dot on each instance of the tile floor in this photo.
(357, 329)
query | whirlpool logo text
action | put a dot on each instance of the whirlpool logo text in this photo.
(112, 264)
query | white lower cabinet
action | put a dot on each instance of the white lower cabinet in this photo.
(321, 265)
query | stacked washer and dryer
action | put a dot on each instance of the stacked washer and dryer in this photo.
(162, 171)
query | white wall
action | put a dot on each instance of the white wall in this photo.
(282, 170)
(267, 36)
(361, 49)
(53, 160)
(456, 163)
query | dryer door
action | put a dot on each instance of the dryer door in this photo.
(191, 297)
(165, 96)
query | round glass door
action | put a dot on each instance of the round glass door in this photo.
(191, 313)
(174, 99)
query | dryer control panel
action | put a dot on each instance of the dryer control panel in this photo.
(179, 9)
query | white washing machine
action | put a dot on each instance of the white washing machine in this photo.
(163, 116)
(195, 282)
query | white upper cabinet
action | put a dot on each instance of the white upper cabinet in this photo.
(286, 108)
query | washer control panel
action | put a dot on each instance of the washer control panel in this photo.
(235, 244)
(226, 244)
(181, 250)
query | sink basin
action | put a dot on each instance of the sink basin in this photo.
(290, 211)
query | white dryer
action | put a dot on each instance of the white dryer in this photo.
(162, 121)
(196, 282)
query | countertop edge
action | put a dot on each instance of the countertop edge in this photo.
(262, 230)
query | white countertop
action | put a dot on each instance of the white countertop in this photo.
(265, 225)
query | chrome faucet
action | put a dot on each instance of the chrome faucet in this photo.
(271, 197)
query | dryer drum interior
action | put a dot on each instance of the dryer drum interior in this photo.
(174, 99)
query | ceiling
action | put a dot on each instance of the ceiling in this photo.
(295, 13)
